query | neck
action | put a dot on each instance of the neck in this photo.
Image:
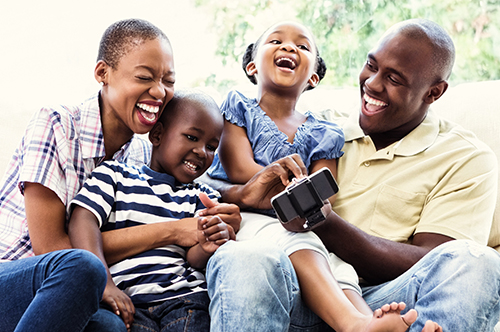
(277, 104)
(115, 134)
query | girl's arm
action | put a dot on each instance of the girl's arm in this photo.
(236, 154)
(84, 233)
(46, 215)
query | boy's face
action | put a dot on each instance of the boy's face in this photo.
(394, 84)
(286, 57)
(188, 142)
(136, 91)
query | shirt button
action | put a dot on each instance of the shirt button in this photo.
(366, 163)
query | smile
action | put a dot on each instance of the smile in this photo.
(148, 112)
(285, 62)
(192, 167)
(372, 101)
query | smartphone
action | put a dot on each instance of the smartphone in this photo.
(305, 198)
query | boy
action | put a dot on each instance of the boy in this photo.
(165, 285)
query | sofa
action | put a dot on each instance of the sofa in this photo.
(468, 104)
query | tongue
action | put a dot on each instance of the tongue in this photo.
(147, 115)
(373, 108)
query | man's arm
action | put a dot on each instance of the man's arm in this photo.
(375, 259)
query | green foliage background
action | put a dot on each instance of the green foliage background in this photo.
(346, 30)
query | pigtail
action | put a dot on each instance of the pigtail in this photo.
(247, 58)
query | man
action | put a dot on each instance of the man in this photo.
(409, 184)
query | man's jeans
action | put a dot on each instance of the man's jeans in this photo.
(58, 291)
(253, 287)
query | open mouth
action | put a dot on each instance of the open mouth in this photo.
(373, 105)
(285, 62)
(148, 112)
(190, 166)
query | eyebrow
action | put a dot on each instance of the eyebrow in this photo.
(152, 70)
(390, 69)
(280, 32)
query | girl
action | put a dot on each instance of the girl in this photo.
(61, 147)
(284, 62)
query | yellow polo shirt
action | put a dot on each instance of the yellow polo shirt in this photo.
(439, 178)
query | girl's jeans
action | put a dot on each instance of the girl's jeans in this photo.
(58, 291)
(253, 287)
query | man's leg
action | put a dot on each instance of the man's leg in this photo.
(456, 285)
(58, 291)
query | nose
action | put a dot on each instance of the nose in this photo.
(200, 151)
(158, 91)
(289, 47)
(374, 82)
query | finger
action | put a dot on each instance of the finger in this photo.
(207, 201)
(202, 222)
(296, 165)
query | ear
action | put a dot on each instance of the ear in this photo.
(314, 80)
(251, 69)
(155, 134)
(100, 72)
(436, 91)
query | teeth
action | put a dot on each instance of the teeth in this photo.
(189, 165)
(372, 101)
(280, 60)
(148, 108)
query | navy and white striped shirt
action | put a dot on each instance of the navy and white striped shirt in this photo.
(121, 196)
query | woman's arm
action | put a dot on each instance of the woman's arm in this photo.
(236, 154)
(46, 216)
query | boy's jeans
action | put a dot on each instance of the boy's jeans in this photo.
(253, 287)
(58, 291)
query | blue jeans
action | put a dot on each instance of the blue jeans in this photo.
(58, 291)
(253, 287)
(183, 314)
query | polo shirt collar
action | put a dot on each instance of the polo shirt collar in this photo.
(418, 140)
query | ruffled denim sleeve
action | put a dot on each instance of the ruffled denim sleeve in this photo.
(235, 107)
(325, 139)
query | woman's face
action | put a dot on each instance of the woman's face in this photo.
(136, 91)
(286, 57)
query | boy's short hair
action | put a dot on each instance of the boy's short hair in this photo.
(120, 36)
(182, 96)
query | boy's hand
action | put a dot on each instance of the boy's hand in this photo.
(119, 302)
(228, 213)
(213, 232)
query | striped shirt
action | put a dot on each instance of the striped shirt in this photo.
(59, 150)
(121, 196)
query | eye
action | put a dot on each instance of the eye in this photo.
(304, 47)
(211, 147)
(274, 41)
(370, 65)
(144, 78)
(192, 138)
(393, 80)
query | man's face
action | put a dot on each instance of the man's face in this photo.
(394, 84)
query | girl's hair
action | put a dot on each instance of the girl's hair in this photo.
(251, 51)
(121, 36)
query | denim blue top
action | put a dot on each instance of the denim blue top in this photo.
(314, 140)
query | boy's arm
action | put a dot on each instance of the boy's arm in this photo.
(84, 233)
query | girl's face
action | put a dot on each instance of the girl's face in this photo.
(185, 148)
(136, 91)
(286, 57)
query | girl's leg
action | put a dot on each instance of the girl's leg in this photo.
(58, 291)
(323, 295)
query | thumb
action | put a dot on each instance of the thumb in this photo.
(207, 201)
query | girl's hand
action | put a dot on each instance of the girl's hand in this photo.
(213, 233)
(228, 213)
(271, 180)
(119, 302)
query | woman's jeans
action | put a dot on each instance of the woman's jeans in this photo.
(58, 291)
(253, 287)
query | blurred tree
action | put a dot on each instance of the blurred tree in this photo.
(346, 29)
